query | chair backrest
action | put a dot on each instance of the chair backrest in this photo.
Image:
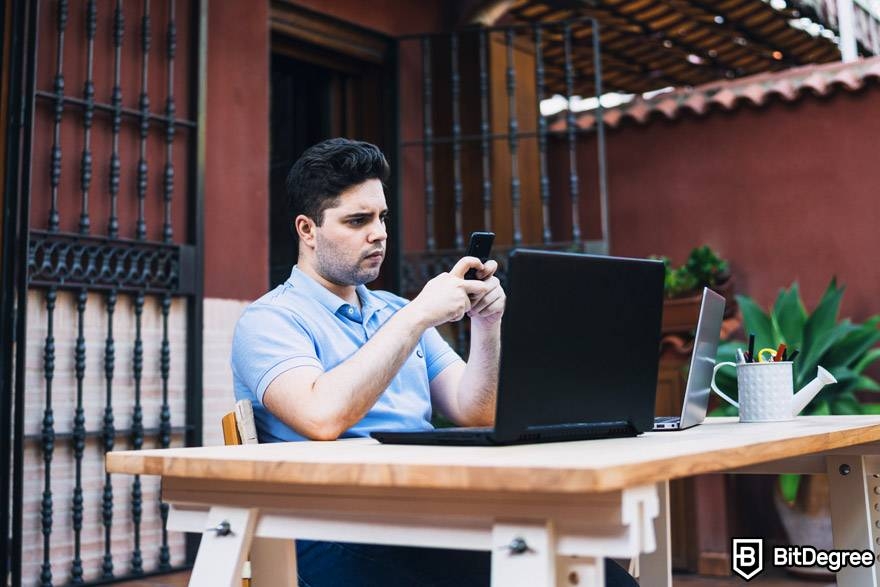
(238, 425)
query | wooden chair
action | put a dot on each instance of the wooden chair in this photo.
(238, 425)
(239, 428)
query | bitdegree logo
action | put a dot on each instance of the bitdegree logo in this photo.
(747, 559)
(833, 560)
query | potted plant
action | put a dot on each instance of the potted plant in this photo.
(683, 286)
(846, 349)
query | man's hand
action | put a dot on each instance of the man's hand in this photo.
(489, 307)
(447, 297)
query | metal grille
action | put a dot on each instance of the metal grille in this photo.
(487, 158)
(107, 232)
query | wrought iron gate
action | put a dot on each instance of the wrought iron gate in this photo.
(490, 158)
(101, 316)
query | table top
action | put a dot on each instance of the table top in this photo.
(565, 467)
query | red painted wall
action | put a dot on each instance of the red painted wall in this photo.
(237, 158)
(787, 193)
(237, 154)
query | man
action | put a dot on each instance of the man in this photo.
(323, 357)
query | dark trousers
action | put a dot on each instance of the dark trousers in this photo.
(339, 564)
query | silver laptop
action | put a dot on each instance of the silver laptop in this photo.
(696, 394)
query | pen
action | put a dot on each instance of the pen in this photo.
(751, 347)
(740, 357)
(780, 352)
(793, 355)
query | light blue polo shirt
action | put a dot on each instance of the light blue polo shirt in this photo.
(302, 323)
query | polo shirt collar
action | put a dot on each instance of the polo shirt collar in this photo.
(370, 303)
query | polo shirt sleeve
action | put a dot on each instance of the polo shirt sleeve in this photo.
(268, 341)
(438, 353)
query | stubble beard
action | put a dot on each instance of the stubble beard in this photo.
(333, 266)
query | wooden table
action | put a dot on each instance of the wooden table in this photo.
(571, 504)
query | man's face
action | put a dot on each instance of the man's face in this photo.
(350, 243)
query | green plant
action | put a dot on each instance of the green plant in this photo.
(843, 347)
(705, 266)
(702, 268)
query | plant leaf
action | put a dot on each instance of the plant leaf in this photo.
(814, 350)
(789, 316)
(822, 409)
(846, 405)
(865, 383)
(853, 346)
(756, 322)
(822, 320)
(871, 356)
(788, 484)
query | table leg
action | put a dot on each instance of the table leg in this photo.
(523, 554)
(273, 562)
(221, 554)
(854, 492)
(655, 568)
(580, 571)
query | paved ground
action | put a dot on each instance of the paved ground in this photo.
(772, 578)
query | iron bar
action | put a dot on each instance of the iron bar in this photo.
(484, 132)
(58, 89)
(70, 261)
(165, 423)
(144, 106)
(157, 119)
(494, 137)
(544, 181)
(14, 301)
(47, 438)
(108, 436)
(600, 139)
(512, 138)
(196, 237)
(168, 175)
(428, 146)
(117, 433)
(456, 143)
(88, 116)
(79, 440)
(137, 434)
(116, 100)
(570, 125)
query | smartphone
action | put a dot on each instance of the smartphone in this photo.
(479, 247)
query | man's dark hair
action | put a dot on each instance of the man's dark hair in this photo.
(326, 170)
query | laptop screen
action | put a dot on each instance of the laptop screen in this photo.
(580, 341)
(696, 395)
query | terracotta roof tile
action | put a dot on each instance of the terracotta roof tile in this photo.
(789, 85)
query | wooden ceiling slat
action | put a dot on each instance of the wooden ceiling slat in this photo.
(646, 44)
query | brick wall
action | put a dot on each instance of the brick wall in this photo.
(220, 317)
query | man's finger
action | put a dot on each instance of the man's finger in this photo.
(488, 270)
(495, 307)
(475, 289)
(488, 299)
(463, 265)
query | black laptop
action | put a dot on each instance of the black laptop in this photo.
(579, 352)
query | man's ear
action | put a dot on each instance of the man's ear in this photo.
(305, 229)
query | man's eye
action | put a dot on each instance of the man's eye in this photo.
(356, 221)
